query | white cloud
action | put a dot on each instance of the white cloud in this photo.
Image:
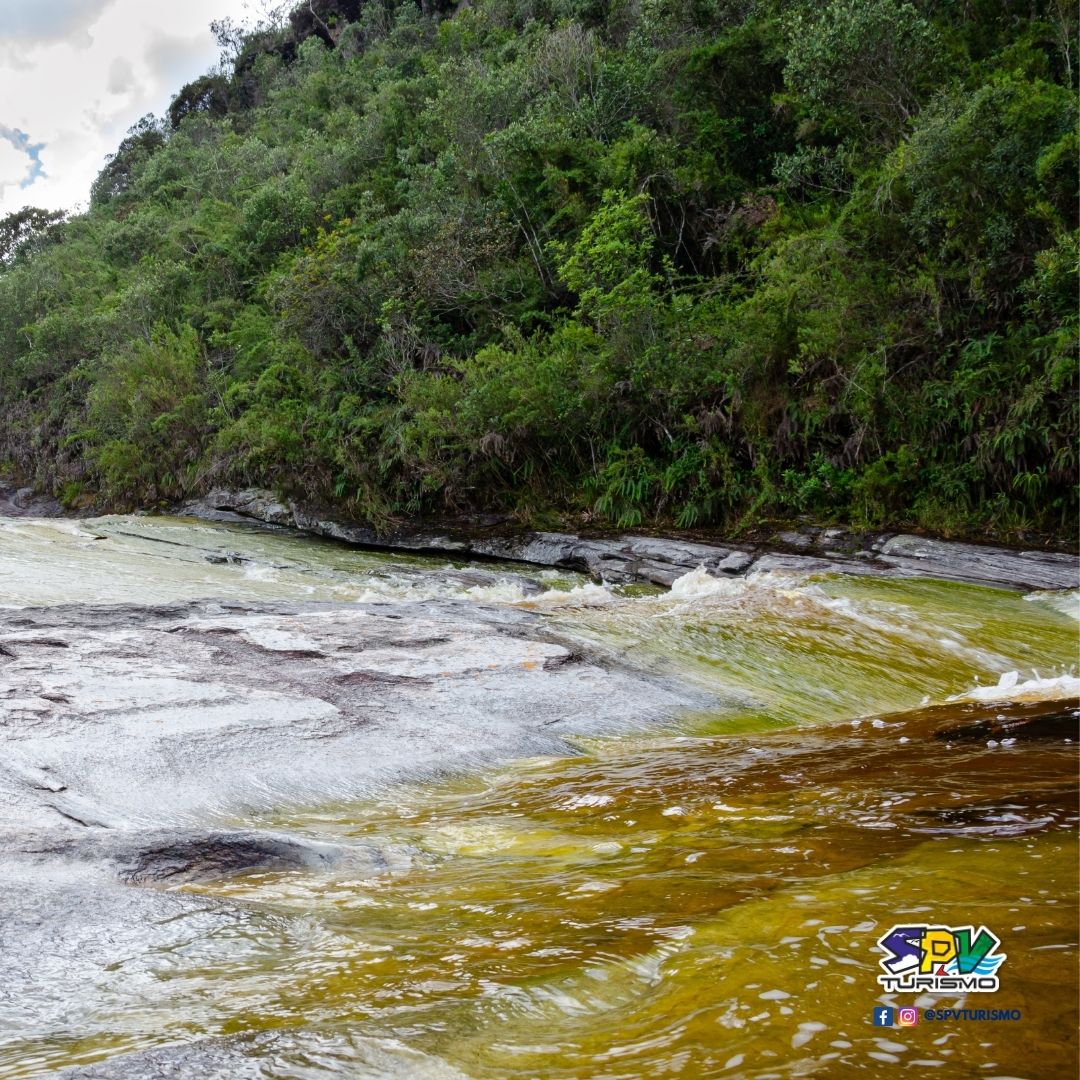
(47, 20)
(76, 74)
(14, 164)
(19, 164)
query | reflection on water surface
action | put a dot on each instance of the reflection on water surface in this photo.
(695, 906)
(701, 901)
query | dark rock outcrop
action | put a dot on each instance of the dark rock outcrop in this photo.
(662, 561)
(23, 502)
(180, 855)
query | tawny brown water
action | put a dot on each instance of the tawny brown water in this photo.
(699, 901)
(698, 907)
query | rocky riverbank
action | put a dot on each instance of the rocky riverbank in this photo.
(660, 561)
(634, 558)
(20, 502)
(183, 703)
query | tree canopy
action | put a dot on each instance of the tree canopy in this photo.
(694, 262)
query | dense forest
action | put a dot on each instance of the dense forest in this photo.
(631, 262)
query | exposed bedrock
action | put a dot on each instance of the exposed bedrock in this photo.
(135, 738)
(661, 561)
(124, 717)
(24, 502)
(176, 856)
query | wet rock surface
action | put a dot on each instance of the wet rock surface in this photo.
(127, 717)
(860, 757)
(158, 760)
(134, 735)
(1019, 724)
(127, 729)
(662, 561)
(23, 502)
(288, 1055)
(182, 855)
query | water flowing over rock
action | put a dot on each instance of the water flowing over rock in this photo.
(121, 716)
(127, 728)
(663, 561)
(249, 806)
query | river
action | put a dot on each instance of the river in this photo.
(700, 894)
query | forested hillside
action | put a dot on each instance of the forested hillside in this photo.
(695, 262)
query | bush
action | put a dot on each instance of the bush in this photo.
(148, 418)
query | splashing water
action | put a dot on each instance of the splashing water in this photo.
(1067, 601)
(155, 560)
(697, 901)
(796, 650)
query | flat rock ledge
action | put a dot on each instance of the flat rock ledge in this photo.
(657, 561)
(152, 746)
(139, 718)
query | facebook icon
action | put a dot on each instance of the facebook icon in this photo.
(884, 1017)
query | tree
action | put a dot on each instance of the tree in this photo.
(208, 94)
(984, 176)
(690, 260)
(323, 18)
(859, 67)
(148, 416)
(144, 139)
(26, 229)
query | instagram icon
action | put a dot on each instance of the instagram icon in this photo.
(907, 1017)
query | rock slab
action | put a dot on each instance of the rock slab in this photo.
(659, 561)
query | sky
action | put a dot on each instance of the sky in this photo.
(76, 74)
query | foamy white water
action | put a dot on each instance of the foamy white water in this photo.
(1011, 687)
(797, 648)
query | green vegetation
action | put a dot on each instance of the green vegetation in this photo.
(697, 262)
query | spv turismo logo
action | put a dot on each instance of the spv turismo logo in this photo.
(940, 958)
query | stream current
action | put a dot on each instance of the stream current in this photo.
(701, 899)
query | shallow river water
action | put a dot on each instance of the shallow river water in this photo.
(701, 900)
